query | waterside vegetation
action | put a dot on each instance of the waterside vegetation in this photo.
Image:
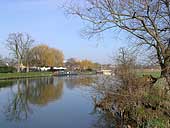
(7, 76)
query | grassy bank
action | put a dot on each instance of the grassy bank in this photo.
(6, 76)
(140, 102)
(87, 73)
(153, 73)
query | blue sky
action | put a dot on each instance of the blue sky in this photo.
(48, 24)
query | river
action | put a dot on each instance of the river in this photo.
(55, 102)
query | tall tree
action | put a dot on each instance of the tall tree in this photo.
(39, 55)
(42, 55)
(56, 57)
(19, 45)
(2, 61)
(72, 63)
(147, 20)
(86, 64)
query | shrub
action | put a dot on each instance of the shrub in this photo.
(6, 69)
(156, 123)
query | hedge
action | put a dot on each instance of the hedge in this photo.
(7, 69)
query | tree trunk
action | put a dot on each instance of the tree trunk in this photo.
(165, 72)
(27, 70)
(18, 66)
(164, 61)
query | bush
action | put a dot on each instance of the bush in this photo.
(6, 69)
(156, 123)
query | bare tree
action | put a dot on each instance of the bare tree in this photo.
(125, 62)
(2, 62)
(147, 20)
(19, 45)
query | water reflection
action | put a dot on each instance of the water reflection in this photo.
(45, 92)
(28, 92)
(104, 120)
(5, 83)
(54, 101)
(71, 82)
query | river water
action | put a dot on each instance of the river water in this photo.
(55, 102)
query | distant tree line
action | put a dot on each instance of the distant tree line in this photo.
(82, 65)
(24, 53)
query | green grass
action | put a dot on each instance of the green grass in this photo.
(153, 73)
(87, 73)
(4, 76)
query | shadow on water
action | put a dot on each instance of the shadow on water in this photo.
(104, 119)
(6, 83)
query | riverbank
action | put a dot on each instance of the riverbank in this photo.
(138, 101)
(154, 73)
(8, 76)
(87, 73)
